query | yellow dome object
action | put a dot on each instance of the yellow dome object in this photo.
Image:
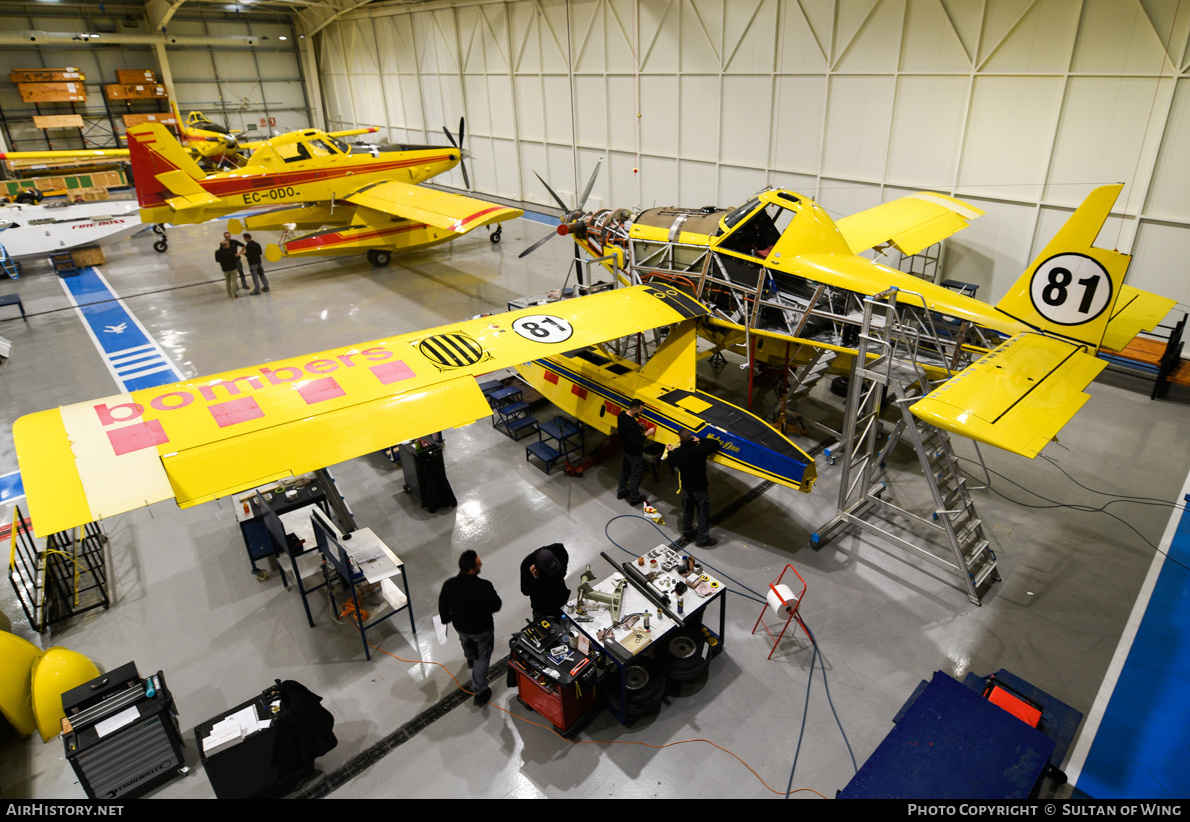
(16, 669)
(54, 673)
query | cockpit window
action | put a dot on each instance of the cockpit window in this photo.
(293, 152)
(318, 148)
(740, 213)
(757, 235)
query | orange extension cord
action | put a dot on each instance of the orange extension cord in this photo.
(554, 731)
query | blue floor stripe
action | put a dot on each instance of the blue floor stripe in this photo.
(11, 487)
(1143, 741)
(134, 358)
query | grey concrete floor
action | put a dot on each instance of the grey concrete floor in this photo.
(185, 601)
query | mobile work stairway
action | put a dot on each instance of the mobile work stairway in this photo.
(889, 373)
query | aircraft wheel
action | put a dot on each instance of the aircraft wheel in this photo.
(161, 246)
(381, 258)
(644, 684)
(495, 238)
(684, 654)
(159, 229)
(30, 196)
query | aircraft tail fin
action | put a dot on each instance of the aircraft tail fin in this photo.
(674, 361)
(154, 152)
(1070, 289)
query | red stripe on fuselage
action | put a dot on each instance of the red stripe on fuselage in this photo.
(332, 239)
(241, 184)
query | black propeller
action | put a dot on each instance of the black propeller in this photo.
(462, 155)
(568, 215)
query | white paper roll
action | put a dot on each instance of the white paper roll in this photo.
(782, 611)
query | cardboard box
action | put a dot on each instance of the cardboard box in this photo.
(89, 195)
(84, 257)
(136, 91)
(52, 92)
(131, 120)
(130, 77)
(46, 75)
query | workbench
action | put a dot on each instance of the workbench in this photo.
(644, 659)
(284, 499)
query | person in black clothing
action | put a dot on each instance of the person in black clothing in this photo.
(253, 253)
(632, 446)
(469, 602)
(690, 456)
(543, 580)
(226, 257)
(236, 246)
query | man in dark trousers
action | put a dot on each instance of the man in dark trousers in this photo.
(469, 602)
(226, 257)
(690, 456)
(632, 446)
(253, 253)
(236, 245)
(543, 580)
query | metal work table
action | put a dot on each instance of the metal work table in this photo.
(627, 642)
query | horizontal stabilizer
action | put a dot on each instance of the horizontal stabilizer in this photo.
(441, 209)
(1017, 397)
(1134, 311)
(911, 223)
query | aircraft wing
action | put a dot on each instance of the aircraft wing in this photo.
(911, 223)
(1018, 396)
(1134, 311)
(441, 209)
(206, 438)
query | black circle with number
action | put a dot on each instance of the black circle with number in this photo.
(1070, 289)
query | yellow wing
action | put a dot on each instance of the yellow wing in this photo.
(910, 223)
(451, 212)
(1018, 396)
(201, 439)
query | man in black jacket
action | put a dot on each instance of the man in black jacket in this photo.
(690, 458)
(632, 447)
(236, 245)
(253, 253)
(543, 580)
(469, 602)
(227, 259)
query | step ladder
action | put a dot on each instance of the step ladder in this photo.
(8, 264)
(887, 376)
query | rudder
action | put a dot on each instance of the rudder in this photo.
(152, 151)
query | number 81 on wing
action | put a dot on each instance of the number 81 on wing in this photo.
(543, 328)
(1070, 289)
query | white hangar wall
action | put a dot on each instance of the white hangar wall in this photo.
(1018, 106)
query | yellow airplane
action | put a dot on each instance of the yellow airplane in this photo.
(206, 438)
(209, 142)
(363, 202)
(786, 284)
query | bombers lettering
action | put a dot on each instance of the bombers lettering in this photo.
(174, 400)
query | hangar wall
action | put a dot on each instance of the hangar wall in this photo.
(1018, 106)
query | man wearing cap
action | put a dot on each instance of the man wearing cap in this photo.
(689, 456)
(469, 602)
(543, 580)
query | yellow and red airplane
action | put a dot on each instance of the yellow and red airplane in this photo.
(353, 202)
(786, 284)
(209, 437)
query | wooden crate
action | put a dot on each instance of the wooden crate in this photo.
(131, 120)
(46, 75)
(131, 77)
(44, 121)
(89, 195)
(119, 91)
(84, 257)
(52, 92)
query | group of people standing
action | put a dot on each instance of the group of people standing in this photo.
(231, 255)
(469, 602)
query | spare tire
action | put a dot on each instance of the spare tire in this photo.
(644, 684)
(684, 654)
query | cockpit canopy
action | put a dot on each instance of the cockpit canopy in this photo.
(296, 147)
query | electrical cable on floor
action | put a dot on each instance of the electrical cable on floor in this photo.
(554, 730)
(1089, 509)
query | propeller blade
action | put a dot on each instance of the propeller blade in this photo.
(538, 245)
(446, 131)
(590, 185)
(466, 179)
(553, 194)
(460, 132)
